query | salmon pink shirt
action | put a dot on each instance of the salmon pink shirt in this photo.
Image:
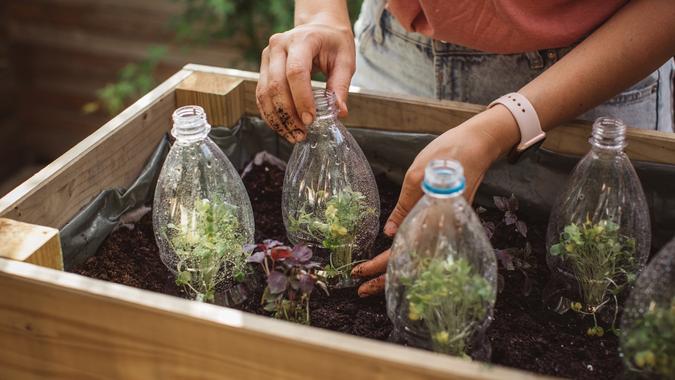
(504, 26)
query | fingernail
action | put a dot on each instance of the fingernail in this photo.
(289, 137)
(390, 228)
(307, 118)
(362, 293)
(356, 271)
(298, 135)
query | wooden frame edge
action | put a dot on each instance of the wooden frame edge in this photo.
(437, 116)
(321, 345)
(31, 243)
(10, 202)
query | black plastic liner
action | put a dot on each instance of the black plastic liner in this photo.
(535, 180)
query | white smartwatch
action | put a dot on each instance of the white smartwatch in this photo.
(526, 118)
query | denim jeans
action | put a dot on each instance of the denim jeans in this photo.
(390, 59)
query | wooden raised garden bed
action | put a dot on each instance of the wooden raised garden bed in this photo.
(62, 325)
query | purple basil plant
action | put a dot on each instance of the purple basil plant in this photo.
(291, 279)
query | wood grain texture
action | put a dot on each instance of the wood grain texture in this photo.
(63, 51)
(369, 109)
(110, 157)
(222, 96)
(30, 243)
(63, 326)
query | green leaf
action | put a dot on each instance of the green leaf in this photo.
(183, 278)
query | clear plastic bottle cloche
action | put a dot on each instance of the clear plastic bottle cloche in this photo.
(441, 278)
(648, 321)
(330, 198)
(599, 233)
(202, 215)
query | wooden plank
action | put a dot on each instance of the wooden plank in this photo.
(110, 157)
(30, 243)
(369, 109)
(131, 21)
(643, 145)
(222, 96)
(111, 45)
(63, 326)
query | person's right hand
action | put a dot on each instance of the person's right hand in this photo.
(284, 93)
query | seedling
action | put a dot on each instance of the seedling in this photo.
(209, 249)
(509, 206)
(450, 300)
(649, 345)
(336, 229)
(511, 258)
(603, 263)
(291, 279)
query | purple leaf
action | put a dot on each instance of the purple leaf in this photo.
(277, 282)
(489, 229)
(250, 247)
(257, 257)
(522, 228)
(501, 203)
(302, 253)
(311, 265)
(510, 218)
(306, 283)
(505, 258)
(269, 243)
(513, 203)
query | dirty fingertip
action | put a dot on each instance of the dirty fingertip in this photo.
(289, 137)
(307, 118)
(298, 135)
(390, 228)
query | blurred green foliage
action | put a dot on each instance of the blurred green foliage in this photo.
(245, 23)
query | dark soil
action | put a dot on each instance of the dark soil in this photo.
(524, 333)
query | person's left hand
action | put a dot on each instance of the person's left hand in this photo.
(476, 144)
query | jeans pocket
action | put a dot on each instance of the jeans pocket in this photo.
(636, 95)
(637, 106)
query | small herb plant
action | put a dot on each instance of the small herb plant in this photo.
(603, 262)
(291, 279)
(649, 345)
(336, 229)
(512, 258)
(450, 300)
(509, 206)
(209, 249)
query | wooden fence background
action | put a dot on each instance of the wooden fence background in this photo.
(55, 54)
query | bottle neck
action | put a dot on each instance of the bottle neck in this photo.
(190, 125)
(443, 179)
(608, 136)
(326, 104)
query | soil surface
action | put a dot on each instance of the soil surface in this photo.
(524, 334)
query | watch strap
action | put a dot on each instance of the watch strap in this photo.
(526, 118)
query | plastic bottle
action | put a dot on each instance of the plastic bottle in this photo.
(598, 234)
(648, 320)
(330, 198)
(442, 274)
(202, 215)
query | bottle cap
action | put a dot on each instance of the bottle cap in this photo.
(444, 177)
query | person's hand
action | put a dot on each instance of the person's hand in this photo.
(284, 92)
(476, 144)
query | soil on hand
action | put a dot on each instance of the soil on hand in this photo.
(524, 334)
